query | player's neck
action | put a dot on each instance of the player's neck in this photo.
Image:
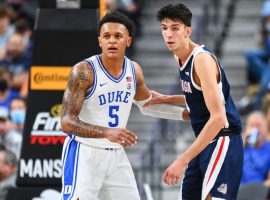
(184, 51)
(113, 65)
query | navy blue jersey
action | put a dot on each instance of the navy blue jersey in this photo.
(199, 114)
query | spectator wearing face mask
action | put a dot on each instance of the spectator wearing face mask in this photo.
(256, 165)
(17, 113)
(6, 93)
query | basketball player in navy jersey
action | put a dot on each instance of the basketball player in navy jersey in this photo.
(213, 162)
(96, 107)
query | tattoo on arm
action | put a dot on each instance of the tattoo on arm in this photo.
(80, 80)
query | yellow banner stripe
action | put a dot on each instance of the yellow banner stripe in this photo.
(49, 77)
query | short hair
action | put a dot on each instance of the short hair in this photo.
(22, 25)
(19, 98)
(3, 12)
(10, 158)
(178, 12)
(116, 17)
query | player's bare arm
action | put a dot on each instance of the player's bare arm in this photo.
(206, 69)
(206, 75)
(161, 110)
(80, 81)
(178, 100)
(142, 92)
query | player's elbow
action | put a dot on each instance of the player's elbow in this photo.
(220, 120)
(66, 124)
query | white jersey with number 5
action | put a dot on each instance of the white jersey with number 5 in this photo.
(109, 102)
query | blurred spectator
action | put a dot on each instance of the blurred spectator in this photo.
(17, 113)
(6, 93)
(11, 138)
(17, 11)
(266, 112)
(23, 28)
(16, 60)
(8, 169)
(132, 8)
(8, 172)
(6, 30)
(256, 166)
(258, 66)
(110, 5)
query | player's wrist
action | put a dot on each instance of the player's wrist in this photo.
(184, 158)
(106, 133)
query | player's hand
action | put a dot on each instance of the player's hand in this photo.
(156, 99)
(174, 172)
(121, 136)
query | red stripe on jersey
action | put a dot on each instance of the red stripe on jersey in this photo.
(217, 158)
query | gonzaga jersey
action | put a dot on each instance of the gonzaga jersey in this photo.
(199, 114)
(109, 102)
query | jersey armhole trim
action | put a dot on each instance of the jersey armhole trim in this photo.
(91, 91)
(134, 76)
(192, 66)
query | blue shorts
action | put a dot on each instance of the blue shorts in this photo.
(216, 170)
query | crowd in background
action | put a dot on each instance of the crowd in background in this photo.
(258, 68)
(16, 28)
(256, 105)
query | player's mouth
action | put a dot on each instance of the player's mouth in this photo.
(170, 43)
(112, 49)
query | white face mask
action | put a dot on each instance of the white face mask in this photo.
(267, 27)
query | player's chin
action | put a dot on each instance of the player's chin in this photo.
(112, 54)
(171, 48)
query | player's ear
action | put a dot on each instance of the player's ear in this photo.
(188, 31)
(99, 41)
(129, 41)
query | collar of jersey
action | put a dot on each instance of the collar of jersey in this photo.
(185, 63)
(117, 80)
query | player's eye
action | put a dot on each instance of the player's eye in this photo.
(163, 28)
(118, 36)
(106, 36)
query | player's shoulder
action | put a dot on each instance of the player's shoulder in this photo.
(203, 56)
(83, 68)
(135, 64)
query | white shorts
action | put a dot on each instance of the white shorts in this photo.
(91, 173)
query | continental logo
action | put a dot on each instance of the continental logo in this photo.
(49, 78)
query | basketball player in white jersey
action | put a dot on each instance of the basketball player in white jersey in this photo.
(96, 107)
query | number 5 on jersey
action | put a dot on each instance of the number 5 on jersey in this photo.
(113, 114)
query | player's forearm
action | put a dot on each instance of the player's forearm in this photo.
(208, 133)
(175, 99)
(82, 129)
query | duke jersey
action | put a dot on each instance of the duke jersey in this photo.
(199, 114)
(109, 102)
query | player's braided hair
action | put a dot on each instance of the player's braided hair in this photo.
(116, 17)
(175, 12)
